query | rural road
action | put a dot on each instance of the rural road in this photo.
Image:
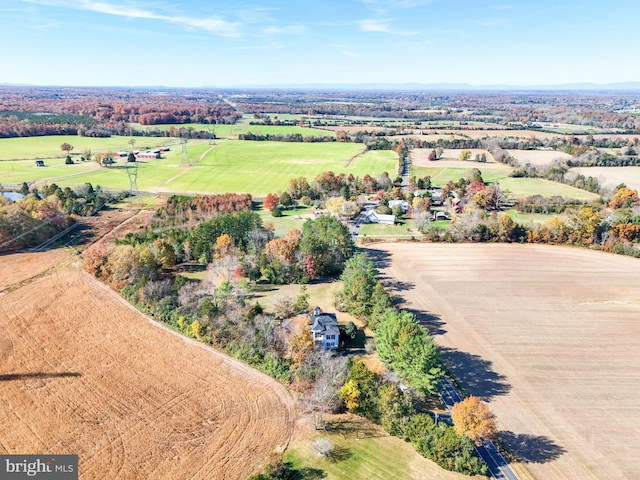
(498, 467)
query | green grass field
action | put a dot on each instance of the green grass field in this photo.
(539, 186)
(441, 175)
(364, 451)
(400, 231)
(232, 131)
(49, 146)
(514, 186)
(527, 218)
(287, 221)
(263, 167)
(229, 166)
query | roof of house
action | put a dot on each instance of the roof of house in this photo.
(381, 218)
(324, 322)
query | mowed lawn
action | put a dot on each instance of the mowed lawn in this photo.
(263, 167)
(364, 451)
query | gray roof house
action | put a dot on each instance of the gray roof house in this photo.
(324, 329)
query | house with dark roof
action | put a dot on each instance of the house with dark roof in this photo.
(324, 329)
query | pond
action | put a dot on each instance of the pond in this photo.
(13, 196)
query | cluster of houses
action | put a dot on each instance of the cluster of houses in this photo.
(437, 199)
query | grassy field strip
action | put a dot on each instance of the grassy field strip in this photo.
(49, 146)
(232, 131)
(263, 167)
(254, 167)
(540, 186)
(514, 186)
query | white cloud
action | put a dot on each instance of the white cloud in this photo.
(376, 25)
(372, 25)
(212, 24)
(296, 29)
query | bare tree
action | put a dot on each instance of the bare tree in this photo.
(323, 447)
(333, 370)
(283, 304)
(421, 219)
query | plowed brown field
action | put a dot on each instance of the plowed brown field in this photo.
(82, 372)
(550, 336)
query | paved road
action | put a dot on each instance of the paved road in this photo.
(498, 467)
(405, 171)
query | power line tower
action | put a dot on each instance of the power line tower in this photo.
(212, 134)
(132, 173)
(185, 153)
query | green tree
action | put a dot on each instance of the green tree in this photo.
(285, 199)
(327, 244)
(406, 346)
(201, 240)
(359, 279)
(359, 393)
(396, 408)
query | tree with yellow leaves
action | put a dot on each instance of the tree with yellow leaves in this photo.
(472, 418)
(224, 246)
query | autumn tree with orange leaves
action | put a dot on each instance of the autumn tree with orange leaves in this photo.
(472, 418)
(271, 201)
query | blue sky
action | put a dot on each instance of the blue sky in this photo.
(182, 43)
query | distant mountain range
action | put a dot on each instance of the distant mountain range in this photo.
(455, 87)
(450, 87)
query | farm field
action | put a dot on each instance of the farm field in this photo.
(114, 177)
(538, 157)
(19, 267)
(242, 166)
(450, 158)
(263, 167)
(612, 176)
(49, 146)
(441, 175)
(539, 186)
(82, 372)
(516, 186)
(510, 133)
(232, 131)
(550, 336)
